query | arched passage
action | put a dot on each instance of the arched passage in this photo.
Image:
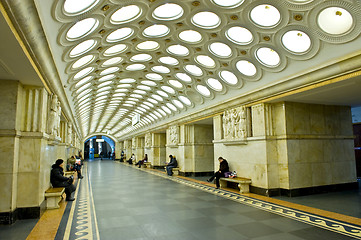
(99, 146)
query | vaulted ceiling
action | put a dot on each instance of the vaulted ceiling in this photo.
(158, 61)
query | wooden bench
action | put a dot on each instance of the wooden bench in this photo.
(53, 196)
(243, 183)
(174, 170)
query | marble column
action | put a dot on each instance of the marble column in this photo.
(155, 148)
(128, 148)
(138, 148)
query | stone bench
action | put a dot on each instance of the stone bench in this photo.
(69, 173)
(147, 165)
(53, 196)
(174, 170)
(243, 183)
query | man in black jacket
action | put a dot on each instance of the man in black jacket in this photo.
(223, 167)
(172, 164)
(57, 179)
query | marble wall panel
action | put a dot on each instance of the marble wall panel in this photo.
(8, 192)
(203, 158)
(8, 150)
(28, 189)
(282, 151)
(321, 174)
(30, 150)
(317, 120)
(301, 118)
(9, 91)
(284, 176)
(278, 119)
(258, 120)
(273, 176)
(300, 175)
(343, 172)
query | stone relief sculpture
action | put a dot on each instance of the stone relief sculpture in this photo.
(134, 145)
(173, 135)
(148, 140)
(70, 133)
(54, 116)
(235, 124)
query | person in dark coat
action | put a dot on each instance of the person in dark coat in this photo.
(57, 179)
(141, 162)
(223, 167)
(172, 164)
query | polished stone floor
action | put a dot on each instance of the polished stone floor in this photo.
(117, 201)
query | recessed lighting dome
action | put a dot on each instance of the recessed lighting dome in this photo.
(184, 77)
(228, 3)
(107, 77)
(156, 30)
(112, 61)
(160, 69)
(143, 57)
(228, 77)
(83, 73)
(135, 67)
(115, 49)
(185, 100)
(168, 11)
(83, 61)
(148, 45)
(178, 103)
(190, 36)
(214, 84)
(265, 15)
(120, 34)
(82, 29)
(175, 83)
(220, 49)
(168, 60)
(268, 56)
(109, 70)
(125, 14)
(127, 80)
(206, 61)
(335, 20)
(206, 20)
(73, 7)
(296, 41)
(178, 50)
(168, 89)
(154, 76)
(247, 68)
(194, 70)
(203, 90)
(82, 48)
(239, 35)
(149, 83)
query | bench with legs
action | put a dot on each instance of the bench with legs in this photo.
(243, 183)
(174, 170)
(53, 196)
(147, 165)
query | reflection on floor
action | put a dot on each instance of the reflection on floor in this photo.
(117, 201)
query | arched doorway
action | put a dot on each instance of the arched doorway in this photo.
(99, 147)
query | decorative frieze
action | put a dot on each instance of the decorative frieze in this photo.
(173, 135)
(54, 117)
(148, 140)
(235, 124)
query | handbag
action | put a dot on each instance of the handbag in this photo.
(227, 174)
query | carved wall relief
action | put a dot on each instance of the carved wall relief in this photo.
(174, 135)
(148, 140)
(54, 117)
(235, 124)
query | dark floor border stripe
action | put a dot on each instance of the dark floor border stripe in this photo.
(330, 224)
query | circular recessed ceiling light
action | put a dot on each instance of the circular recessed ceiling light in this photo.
(107, 77)
(175, 83)
(206, 20)
(168, 60)
(82, 48)
(112, 61)
(82, 81)
(119, 34)
(220, 49)
(83, 61)
(178, 103)
(178, 50)
(154, 76)
(228, 77)
(83, 73)
(143, 87)
(239, 35)
(194, 70)
(184, 77)
(82, 88)
(148, 45)
(143, 57)
(109, 70)
(203, 90)
(265, 15)
(82, 29)
(185, 100)
(268, 56)
(168, 11)
(163, 94)
(206, 61)
(168, 89)
(247, 68)
(190, 36)
(135, 67)
(157, 97)
(171, 106)
(160, 69)
(166, 109)
(76, 7)
(335, 20)
(127, 80)
(228, 3)
(296, 41)
(104, 84)
(156, 30)
(149, 83)
(214, 84)
(125, 14)
(115, 49)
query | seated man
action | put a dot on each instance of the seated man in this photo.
(172, 164)
(57, 179)
(141, 162)
(223, 168)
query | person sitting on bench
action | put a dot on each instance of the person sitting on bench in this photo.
(57, 179)
(172, 164)
(223, 167)
(141, 162)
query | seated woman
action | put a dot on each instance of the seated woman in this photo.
(141, 162)
(131, 159)
(57, 179)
